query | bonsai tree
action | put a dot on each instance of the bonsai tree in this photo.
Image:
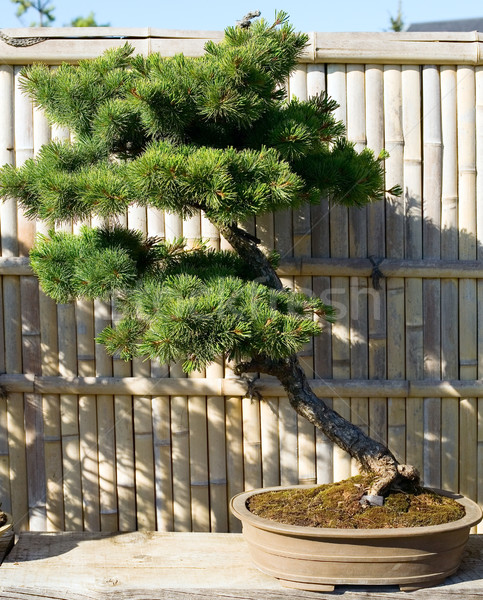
(214, 134)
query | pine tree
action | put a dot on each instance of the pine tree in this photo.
(214, 134)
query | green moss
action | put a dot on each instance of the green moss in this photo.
(337, 506)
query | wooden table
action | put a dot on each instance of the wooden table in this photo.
(179, 566)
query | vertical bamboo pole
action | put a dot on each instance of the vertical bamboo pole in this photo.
(215, 407)
(72, 487)
(411, 120)
(269, 422)
(123, 416)
(88, 445)
(17, 467)
(108, 502)
(251, 443)
(24, 149)
(466, 122)
(395, 244)
(217, 462)
(376, 246)
(198, 443)
(339, 247)
(144, 461)
(179, 424)
(198, 430)
(67, 345)
(4, 456)
(161, 417)
(181, 464)
(234, 454)
(302, 246)
(50, 366)
(162, 460)
(323, 369)
(142, 419)
(356, 133)
(449, 287)
(288, 443)
(316, 84)
(432, 148)
(479, 249)
(88, 439)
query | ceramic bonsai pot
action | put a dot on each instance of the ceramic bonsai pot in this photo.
(317, 559)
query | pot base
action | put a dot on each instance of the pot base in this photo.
(325, 587)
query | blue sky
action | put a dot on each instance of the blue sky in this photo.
(308, 15)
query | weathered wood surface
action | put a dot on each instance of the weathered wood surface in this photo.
(162, 566)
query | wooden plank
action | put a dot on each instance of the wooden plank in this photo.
(178, 566)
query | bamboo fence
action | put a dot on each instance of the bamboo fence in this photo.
(92, 443)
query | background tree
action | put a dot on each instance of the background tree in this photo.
(212, 134)
(43, 7)
(89, 21)
(46, 17)
(397, 22)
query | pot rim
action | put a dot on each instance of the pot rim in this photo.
(238, 508)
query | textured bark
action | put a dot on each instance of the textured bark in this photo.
(371, 455)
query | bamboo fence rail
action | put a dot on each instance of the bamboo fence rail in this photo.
(92, 443)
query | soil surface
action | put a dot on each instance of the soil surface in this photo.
(337, 505)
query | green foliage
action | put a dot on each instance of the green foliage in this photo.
(43, 8)
(89, 21)
(397, 22)
(195, 318)
(212, 134)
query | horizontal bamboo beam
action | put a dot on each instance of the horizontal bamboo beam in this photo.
(389, 267)
(327, 388)
(396, 48)
(339, 267)
(71, 45)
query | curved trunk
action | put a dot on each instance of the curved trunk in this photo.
(371, 455)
